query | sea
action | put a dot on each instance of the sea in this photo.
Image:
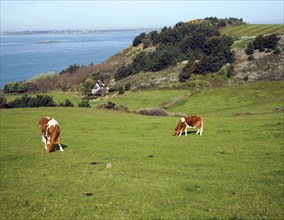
(24, 56)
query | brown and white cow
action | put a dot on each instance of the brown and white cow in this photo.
(189, 122)
(50, 132)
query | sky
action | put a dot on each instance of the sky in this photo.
(23, 15)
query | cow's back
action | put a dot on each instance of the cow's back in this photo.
(43, 123)
(194, 121)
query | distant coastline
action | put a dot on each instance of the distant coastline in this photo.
(77, 31)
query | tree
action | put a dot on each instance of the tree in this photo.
(154, 37)
(138, 40)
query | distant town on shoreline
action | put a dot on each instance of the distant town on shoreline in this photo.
(74, 31)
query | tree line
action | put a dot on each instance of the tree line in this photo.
(38, 101)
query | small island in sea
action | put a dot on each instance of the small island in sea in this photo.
(44, 41)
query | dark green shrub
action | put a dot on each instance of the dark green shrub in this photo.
(250, 48)
(277, 51)
(67, 103)
(246, 78)
(120, 90)
(113, 106)
(146, 43)
(31, 102)
(230, 71)
(70, 69)
(84, 104)
(187, 71)
(250, 58)
(127, 87)
(138, 40)
(17, 87)
(3, 102)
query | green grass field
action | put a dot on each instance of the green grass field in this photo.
(233, 171)
(252, 30)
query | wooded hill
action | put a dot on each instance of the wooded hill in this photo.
(175, 57)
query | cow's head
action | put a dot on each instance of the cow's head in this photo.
(179, 128)
(49, 145)
(53, 133)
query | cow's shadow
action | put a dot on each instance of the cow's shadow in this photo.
(56, 147)
(188, 133)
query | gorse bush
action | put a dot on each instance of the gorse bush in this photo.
(261, 43)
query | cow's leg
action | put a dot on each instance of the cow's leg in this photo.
(61, 148)
(201, 129)
(198, 131)
(43, 140)
(49, 146)
(185, 132)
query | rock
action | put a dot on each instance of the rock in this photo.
(109, 165)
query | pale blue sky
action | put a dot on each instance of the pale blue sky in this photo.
(92, 14)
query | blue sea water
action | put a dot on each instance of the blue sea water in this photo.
(25, 56)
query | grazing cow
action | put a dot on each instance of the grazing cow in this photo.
(50, 132)
(189, 122)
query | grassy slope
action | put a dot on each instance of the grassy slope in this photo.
(235, 170)
(146, 98)
(256, 98)
(252, 30)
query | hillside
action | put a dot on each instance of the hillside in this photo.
(252, 30)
